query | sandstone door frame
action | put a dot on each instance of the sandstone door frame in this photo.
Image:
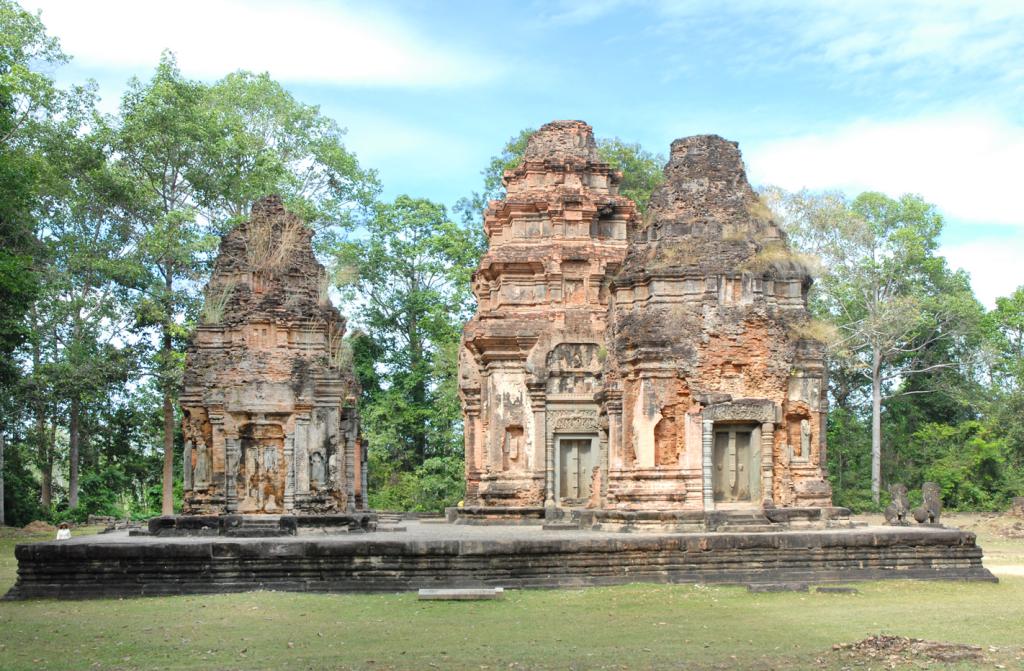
(761, 413)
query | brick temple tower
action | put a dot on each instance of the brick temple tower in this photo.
(713, 397)
(532, 355)
(620, 364)
(269, 394)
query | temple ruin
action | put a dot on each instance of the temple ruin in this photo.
(533, 353)
(655, 364)
(269, 393)
(621, 373)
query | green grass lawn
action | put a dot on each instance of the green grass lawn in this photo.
(634, 627)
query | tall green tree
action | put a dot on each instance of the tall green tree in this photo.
(28, 98)
(1004, 374)
(158, 137)
(28, 102)
(89, 268)
(262, 140)
(898, 309)
(408, 279)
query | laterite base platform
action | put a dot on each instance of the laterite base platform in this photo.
(439, 555)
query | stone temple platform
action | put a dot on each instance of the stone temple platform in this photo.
(439, 555)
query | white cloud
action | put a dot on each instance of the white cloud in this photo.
(993, 264)
(294, 41)
(901, 39)
(913, 36)
(966, 163)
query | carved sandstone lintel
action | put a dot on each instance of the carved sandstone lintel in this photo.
(742, 410)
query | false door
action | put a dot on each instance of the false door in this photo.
(576, 467)
(735, 464)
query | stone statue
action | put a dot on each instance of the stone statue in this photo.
(896, 512)
(805, 439)
(317, 471)
(204, 469)
(332, 469)
(188, 470)
(1017, 506)
(931, 506)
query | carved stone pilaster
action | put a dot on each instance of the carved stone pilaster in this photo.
(767, 464)
(350, 460)
(232, 454)
(707, 467)
(301, 455)
(289, 480)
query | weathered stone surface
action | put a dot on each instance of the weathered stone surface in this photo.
(896, 512)
(640, 365)
(452, 594)
(712, 397)
(448, 556)
(531, 359)
(269, 395)
(259, 526)
(930, 509)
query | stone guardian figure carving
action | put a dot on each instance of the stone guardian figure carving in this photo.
(931, 507)
(896, 512)
(317, 471)
(204, 469)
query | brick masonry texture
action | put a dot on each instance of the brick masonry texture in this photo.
(269, 394)
(656, 363)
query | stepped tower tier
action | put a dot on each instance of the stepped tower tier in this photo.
(269, 394)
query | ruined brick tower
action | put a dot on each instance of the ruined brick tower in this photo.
(532, 355)
(713, 398)
(269, 394)
(662, 372)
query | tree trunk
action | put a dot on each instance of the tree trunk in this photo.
(48, 447)
(167, 502)
(3, 519)
(44, 450)
(876, 425)
(73, 436)
(419, 391)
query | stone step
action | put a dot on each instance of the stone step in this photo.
(561, 526)
(778, 587)
(469, 594)
(746, 528)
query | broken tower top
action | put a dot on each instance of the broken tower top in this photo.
(562, 141)
(704, 182)
(704, 218)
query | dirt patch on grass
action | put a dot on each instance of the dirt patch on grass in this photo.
(891, 652)
(994, 525)
(39, 527)
(1005, 526)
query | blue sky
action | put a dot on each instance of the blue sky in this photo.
(920, 97)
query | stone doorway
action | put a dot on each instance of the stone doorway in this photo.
(736, 475)
(576, 460)
(261, 473)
